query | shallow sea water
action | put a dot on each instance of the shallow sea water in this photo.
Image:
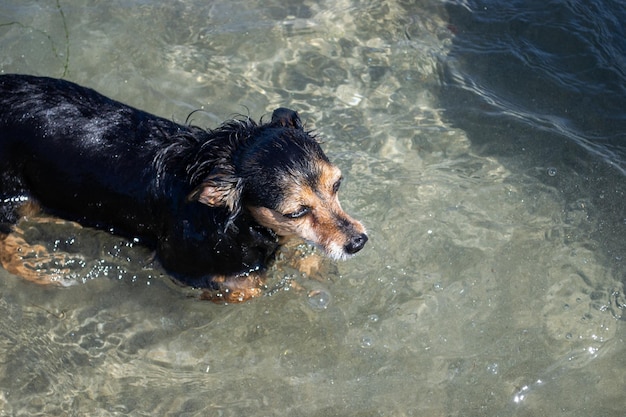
(492, 285)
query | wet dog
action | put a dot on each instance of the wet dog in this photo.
(214, 204)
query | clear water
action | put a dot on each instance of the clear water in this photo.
(482, 151)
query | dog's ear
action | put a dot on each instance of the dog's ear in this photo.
(286, 118)
(219, 190)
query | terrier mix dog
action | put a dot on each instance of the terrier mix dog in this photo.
(214, 204)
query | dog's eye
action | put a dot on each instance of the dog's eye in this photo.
(337, 185)
(301, 212)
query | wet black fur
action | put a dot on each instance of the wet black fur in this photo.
(87, 158)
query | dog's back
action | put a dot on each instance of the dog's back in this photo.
(81, 154)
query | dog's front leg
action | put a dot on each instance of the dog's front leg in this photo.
(235, 288)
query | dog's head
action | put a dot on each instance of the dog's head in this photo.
(286, 182)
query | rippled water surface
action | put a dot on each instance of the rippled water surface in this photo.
(492, 190)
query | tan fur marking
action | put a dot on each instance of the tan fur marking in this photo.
(34, 262)
(326, 226)
(235, 289)
(29, 208)
(31, 262)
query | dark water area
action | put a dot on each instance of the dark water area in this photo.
(543, 86)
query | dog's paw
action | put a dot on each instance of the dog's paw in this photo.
(234, 289)
(34, 262)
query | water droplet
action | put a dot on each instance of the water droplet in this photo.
(367, 342)
(373, 318)
(493, 368)
(319, 299)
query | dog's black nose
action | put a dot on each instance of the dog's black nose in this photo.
(356, 243)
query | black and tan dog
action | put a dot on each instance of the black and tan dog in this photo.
(214, 204)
